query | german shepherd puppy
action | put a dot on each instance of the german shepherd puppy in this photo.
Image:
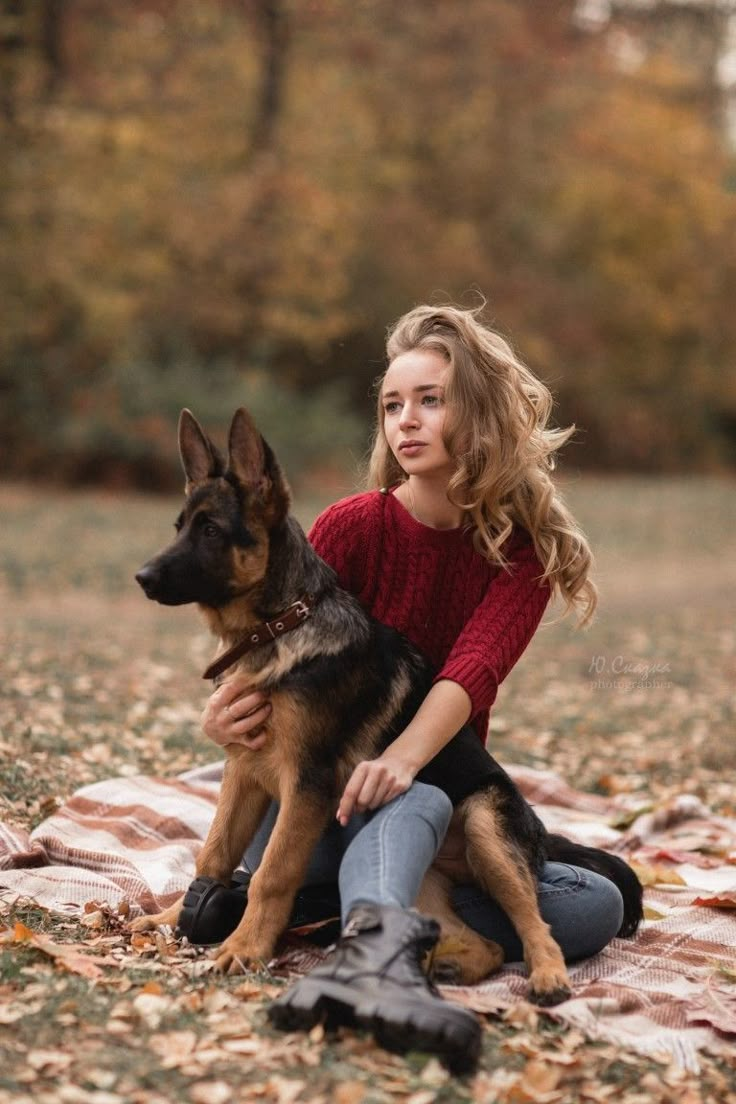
(342, 687)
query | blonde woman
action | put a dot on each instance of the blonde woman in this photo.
(460, 544)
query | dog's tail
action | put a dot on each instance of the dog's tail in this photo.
(559, 849)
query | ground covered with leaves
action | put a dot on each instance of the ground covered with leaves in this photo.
(97, 682)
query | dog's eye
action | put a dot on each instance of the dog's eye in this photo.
(210, 531)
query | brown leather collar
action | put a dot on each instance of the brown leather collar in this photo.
(293, 616)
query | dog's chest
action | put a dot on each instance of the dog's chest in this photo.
(267, 666)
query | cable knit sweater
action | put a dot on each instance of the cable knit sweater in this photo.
(470, 619)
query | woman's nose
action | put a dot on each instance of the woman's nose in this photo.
(408, 416)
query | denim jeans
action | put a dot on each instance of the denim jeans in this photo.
(381, 857)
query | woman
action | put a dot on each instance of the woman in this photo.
(460, 548)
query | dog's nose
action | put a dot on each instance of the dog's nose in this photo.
(146, 578)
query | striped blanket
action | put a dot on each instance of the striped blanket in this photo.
(671, 990)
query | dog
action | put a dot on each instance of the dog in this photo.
(342, 686)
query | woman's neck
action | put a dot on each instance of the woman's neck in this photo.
(427, 501)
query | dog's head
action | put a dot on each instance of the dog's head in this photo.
(223, 532)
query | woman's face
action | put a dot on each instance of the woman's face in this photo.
(413, 401)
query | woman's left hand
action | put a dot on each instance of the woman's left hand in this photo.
(373, 783)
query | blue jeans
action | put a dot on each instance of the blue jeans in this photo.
(383, 856)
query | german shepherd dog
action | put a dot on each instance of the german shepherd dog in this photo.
(342, 687)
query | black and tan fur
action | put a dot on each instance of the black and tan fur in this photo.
(342, 687)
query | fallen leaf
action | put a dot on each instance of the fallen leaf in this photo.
(283, 1090)
(152, 987)
(656, 875)
(151, 1007)
(174, 1048)
(434, 1073)
(50, 1062)
(92, 920)
(66, 955)
(540, 1081)
(349, 1092)
(210, 1092)
(726, 900)
(242, 1046)
(522, 1014)
(215, 1000)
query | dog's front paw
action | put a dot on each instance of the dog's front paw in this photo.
(169, 916)
(548, 987)
(237, 956)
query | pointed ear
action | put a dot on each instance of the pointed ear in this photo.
(199, 457)
(253, 463)
(246, 454)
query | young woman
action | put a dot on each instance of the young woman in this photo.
(459, 546)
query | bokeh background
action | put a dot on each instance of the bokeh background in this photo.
(206, 202)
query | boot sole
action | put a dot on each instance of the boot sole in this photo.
(193, 920)
(451, 1033)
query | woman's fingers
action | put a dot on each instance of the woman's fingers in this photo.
(373, 783)
(235, 714)
(248, 723)
(232, 689)
(247, 706)
(254, 741)
(351, 793)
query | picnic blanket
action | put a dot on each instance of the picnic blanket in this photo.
(670, 990)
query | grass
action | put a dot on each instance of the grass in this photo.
(99, 682)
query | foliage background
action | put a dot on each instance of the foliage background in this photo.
(206, 202)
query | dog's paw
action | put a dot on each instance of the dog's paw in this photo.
(446, 972)
(464, 961)
(155, 920)
(145, 923)
(236, 957)
(548, 987)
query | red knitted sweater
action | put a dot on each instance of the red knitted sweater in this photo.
(471, 620)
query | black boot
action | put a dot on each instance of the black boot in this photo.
(374, 980)
(211, 911)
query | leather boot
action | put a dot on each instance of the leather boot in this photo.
(374, 979)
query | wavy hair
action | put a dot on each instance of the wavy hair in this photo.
(496, 431)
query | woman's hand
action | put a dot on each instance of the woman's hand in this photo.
(234, 714)
(373, 783)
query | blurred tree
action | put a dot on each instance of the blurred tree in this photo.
(273, 22)
(268, 183)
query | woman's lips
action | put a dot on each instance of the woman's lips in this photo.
(411, 448)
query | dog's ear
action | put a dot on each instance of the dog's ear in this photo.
(252, 461)
(199, 457)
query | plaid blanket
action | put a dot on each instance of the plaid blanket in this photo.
(671, 990)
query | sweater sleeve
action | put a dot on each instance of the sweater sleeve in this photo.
(499, 629)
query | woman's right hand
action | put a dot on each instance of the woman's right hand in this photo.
(234, 714)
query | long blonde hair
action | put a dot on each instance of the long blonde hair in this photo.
(496, 431)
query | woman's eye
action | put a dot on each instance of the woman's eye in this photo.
(391, 407)
(431, 400)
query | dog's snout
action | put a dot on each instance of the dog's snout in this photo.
(168, 580)
(146, 578)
